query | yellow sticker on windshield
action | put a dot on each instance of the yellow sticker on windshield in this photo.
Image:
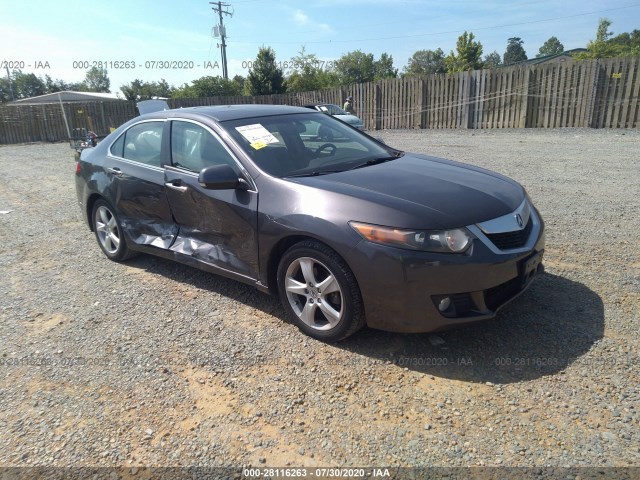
(257, 135)
(258, 145)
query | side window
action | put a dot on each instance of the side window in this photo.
(194, 148)
(142, 143)
(333, 110)
(118, 146)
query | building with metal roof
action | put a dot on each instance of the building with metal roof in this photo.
(67, 96)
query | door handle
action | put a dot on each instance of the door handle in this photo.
(173, 186)
(115, 170)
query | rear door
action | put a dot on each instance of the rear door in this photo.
(218, 227)
(137, 185)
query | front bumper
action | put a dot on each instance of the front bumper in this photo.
(402, 289)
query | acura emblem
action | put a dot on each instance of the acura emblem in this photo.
(519, 220)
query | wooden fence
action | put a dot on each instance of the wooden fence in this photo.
(590, 93)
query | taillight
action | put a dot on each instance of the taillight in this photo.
(77, 168)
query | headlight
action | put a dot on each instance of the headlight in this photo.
(445, 241)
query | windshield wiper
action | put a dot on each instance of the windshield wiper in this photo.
(315, 173)
(375, 161)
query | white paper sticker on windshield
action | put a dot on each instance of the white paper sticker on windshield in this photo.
(258, 136)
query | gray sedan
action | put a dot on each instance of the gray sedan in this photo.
(339, 113)
(348, 232)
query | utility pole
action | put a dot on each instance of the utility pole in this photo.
(218, 8)
(10, 86)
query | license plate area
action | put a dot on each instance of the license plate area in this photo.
(529, 266)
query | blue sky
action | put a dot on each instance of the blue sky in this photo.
(160, 30)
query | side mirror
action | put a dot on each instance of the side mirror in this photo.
(221, 177)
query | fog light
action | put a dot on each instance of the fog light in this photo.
(444, 304)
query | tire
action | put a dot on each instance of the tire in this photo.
(319, 292)
(109, 233)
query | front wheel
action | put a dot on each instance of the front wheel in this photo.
(109, 232)
(319, 292)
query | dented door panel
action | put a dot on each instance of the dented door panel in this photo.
(142, 203)
(218, 227)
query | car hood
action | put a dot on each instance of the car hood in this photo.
(350, 119)
(416, 191)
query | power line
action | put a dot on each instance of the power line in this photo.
(457, 31)
(218, 8)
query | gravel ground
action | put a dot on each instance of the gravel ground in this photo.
(151, 363)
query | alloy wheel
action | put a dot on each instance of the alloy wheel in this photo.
(107, 230)
(313, 293)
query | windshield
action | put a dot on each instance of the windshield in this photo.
(332, 109)
(304, 144)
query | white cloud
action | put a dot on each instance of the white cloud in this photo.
(303, 20)
(300, 17)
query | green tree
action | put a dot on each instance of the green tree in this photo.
(140, 90)
(624, 39)
(606, 45)
(383, 67)
(76, 87)
(55, 85)
(355, 67)
(97, 80)
(492, 60)
(553, 46)
(602, 33)
(303, 80)
(5, 90)
(426, 62)
(27, 85)
(265, 78)
(309, 73)
(468, 55)
(208, 86)
(239, 81)
(136, 90)
(628, 43)
(515, 51)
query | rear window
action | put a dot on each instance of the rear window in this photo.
(143, 143)
(117, 149)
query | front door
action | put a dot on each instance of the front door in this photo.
(218, 227)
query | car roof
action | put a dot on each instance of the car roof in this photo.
(222, 113)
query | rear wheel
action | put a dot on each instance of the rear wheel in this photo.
(109, 232)
(319, 292)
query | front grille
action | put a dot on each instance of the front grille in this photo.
(501, 294)
(511, 240)
(462, 303)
